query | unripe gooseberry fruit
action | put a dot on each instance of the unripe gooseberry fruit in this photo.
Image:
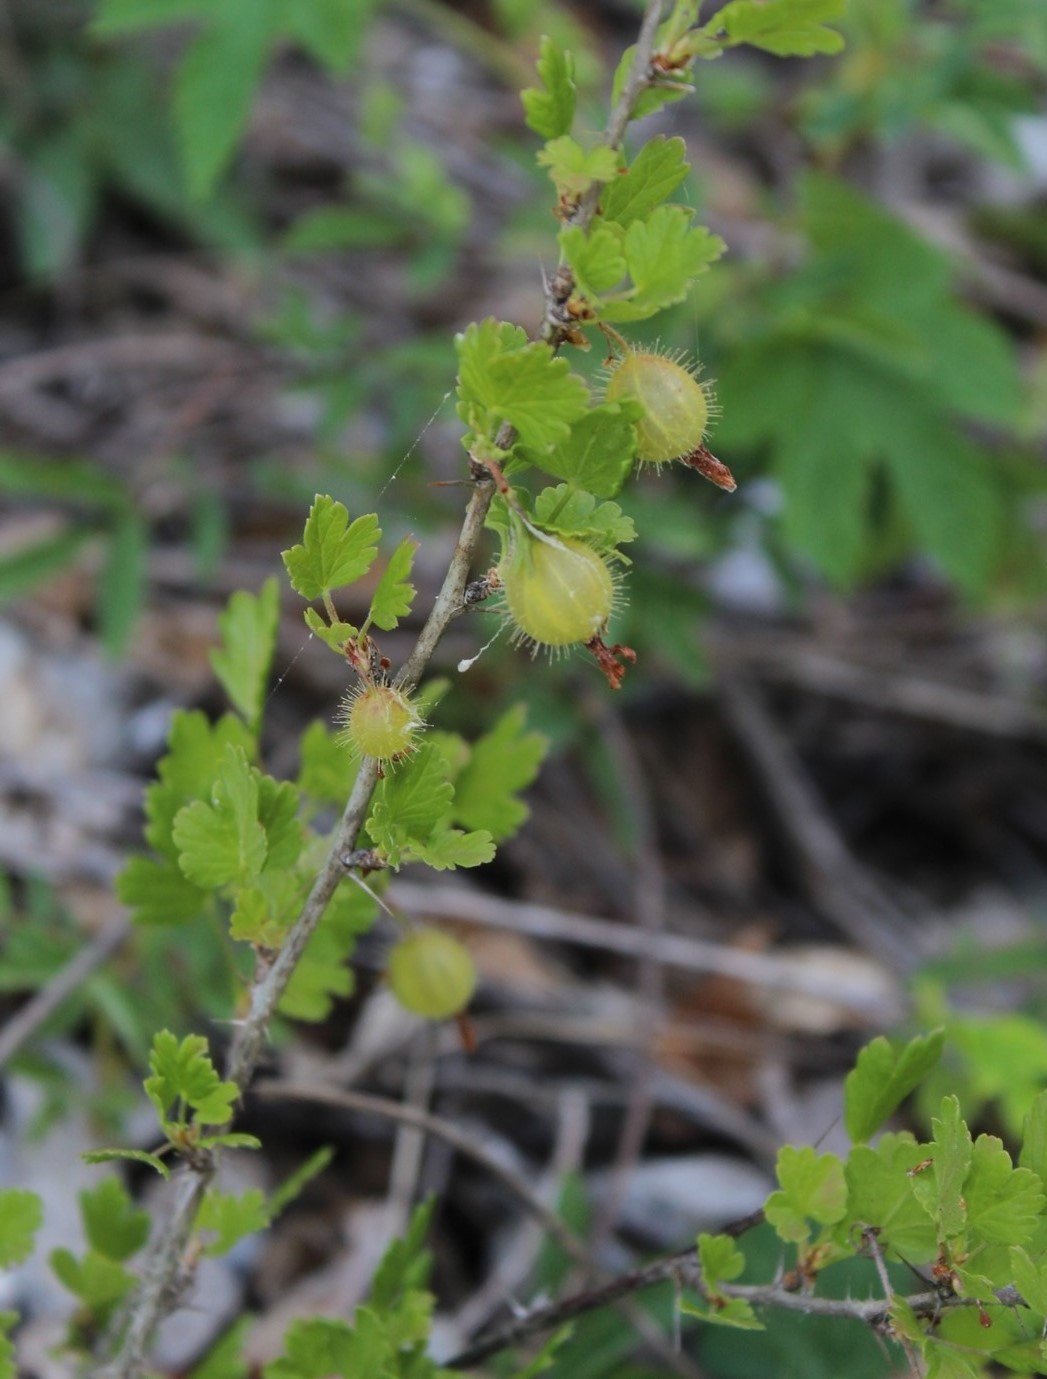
(676, 405)
(380, 722)
(432, 974)
(558, 589)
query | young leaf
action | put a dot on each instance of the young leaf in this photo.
(731, 1312)
(574, 513)
(572, 169)
(787, 28)
(138, 1156)
(223, 842)
(596, 259)
(157, 891)
(883, 1077)
(880, 1194)
(654, 174)
(97, 1281)
(327, 769)
(523, 384)
(1004, 1203)
(21, 1216)
(335, 634)
(448, 848)
(665, 253)
(183, 1073)
(598, 454)
(395, 593)
(812, 1189)
(317, 1349)
(406, 1264)
(114, 1226)
(187, 772)
(410, 802)
(501, 763)
(248, 627)
(940, 1187)
(332, 553)
(1030, 1279)
(231, 1218)
(720, 1261)
(549, 109)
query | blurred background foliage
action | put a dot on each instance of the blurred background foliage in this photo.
(236, 237)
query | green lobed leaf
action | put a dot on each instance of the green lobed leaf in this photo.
(940, 1187)
(598, 454)
(1004, 1204)
(880, 1195)
(549, 108)
(812, 1188)
(278, 814)
(571, 512)
(321, 974)
(395, 593)
(406, 1264)
(138, 1156)
(231, 1218)
(787, 28)
(596, 259)
(664, 254)
(264, 912)
(21, 1216)
(1030, 1278)
(248, 627)
(523, 384)
(730, 1312)
(335, 634)
(187, 771)
(226, 1359)
(649, 180)
(883, 1077)
(572, 169)
(318, 1348)
(332, 553)
(223, 842)
(448, 848)
(327, 768)
(97, 1281)
(720, 1261)
(410, 802)
(500, 764)
(114, 1226)
(183, 1074)
(157, 891)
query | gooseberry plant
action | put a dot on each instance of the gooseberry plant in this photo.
(230, 841)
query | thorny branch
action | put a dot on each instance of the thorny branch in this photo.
(162, 1283)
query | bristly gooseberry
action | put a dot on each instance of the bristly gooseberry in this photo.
(380, 722)
(558, 589)
(432, 974)
(676, 405)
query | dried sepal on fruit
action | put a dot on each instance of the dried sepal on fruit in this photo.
(559, 590)
(677, 408)
(380, 721)
(432, 974)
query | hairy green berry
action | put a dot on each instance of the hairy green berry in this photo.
(558, 589)
(380, 722)
(432, 974)
(676, 406)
